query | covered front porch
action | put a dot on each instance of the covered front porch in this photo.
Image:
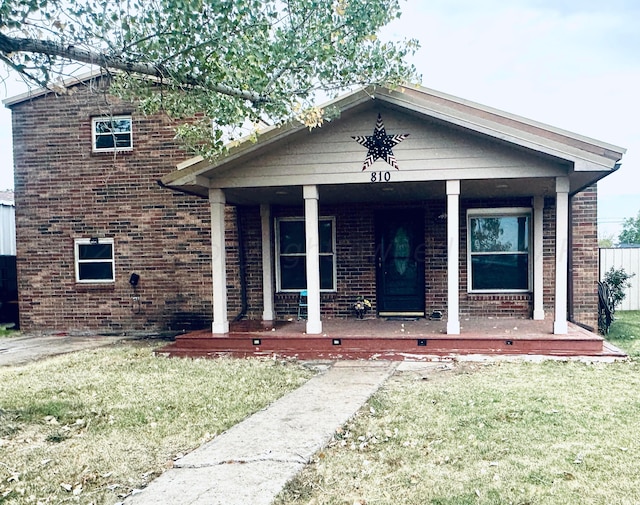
(394, 339)
(473, 214)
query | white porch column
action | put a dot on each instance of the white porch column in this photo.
(453, 257)
(560, 326)
(538, 255)
(220, 323)
(310, 193)
(267, 264)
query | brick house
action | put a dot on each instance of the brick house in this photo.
(90, 215)
(487, 214)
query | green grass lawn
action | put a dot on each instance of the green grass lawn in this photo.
(503, 433)
(89, 427)
(6, 330)
(625, 332)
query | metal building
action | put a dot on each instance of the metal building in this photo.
(8, 274)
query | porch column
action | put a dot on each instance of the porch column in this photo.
(310, 193)
(560, 326)
(220, 323)
(538, 255)
(453, 257)
(267, 263)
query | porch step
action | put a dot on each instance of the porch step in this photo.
(204, 344)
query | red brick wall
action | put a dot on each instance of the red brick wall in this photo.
(64, 192)
(356, 261)
(355, 255)
(584, 265)
(549, 256)
(250, 223)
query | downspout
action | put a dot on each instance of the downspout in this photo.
(178, 190)
(570, 262)
(570, 276)
(570, 287)
(242, 266)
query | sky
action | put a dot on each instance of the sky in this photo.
(573, 64)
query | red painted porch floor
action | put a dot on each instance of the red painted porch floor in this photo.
(393, 339)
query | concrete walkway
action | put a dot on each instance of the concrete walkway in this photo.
(27, 348)
(251, 463)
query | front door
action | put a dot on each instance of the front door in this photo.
(400, 262)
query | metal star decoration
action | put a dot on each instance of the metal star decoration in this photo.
(380, 145)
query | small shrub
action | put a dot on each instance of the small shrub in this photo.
(6, 330)
(618, 281)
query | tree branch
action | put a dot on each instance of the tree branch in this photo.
(16, 45)
(22, 71)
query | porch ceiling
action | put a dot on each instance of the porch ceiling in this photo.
(392, 192)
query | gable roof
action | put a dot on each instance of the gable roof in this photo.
(582, 153)
(59, 87)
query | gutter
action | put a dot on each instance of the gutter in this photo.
(244, 305)
(570, 293)
(615, 168)
(178, 190)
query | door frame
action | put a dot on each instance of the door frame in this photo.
(415, 218)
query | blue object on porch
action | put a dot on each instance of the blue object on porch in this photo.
(302, 304)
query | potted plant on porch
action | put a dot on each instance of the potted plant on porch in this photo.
(361, 307)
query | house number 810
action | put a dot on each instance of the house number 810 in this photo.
(380, 176)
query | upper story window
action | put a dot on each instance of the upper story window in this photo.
(112, 134)
(291, 262)
(498, 252)
(94, 260)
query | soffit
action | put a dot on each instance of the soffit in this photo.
(331, 194)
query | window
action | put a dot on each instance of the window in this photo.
(291, 265)
(112, 134)
(94, 260)
(499, 257)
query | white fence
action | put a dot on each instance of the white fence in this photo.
(629, 259)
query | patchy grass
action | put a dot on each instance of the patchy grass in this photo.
(89, 427)
(625, 332)
(504, 433)
(6, 330)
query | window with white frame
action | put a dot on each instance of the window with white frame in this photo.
(499, 257)
(94, 260)
(291, 256)
(112, 133)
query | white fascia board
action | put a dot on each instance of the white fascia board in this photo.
(509, 116)
(512, 135)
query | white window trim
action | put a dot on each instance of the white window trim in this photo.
(278, 220)
(77, 261)
(500, 212)
(109, 149)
